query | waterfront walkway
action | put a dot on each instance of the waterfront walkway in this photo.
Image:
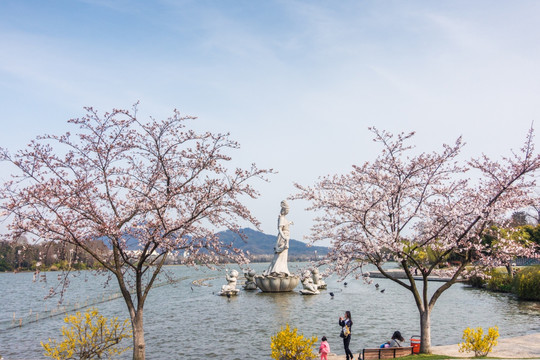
(400, 274)
(520, 347)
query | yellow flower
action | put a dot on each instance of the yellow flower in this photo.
(474, 340)
(288, 345)
(89, 335)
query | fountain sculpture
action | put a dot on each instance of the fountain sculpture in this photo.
(250, 283)
(230, 289)
(310, 288)
(317, 279)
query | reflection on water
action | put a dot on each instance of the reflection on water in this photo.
(185, 323)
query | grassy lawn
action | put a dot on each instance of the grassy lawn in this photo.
(442, 357)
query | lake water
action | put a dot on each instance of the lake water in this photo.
(184, 321)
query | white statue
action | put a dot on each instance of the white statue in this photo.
(230, 288)
(278, 266)
(250, 283)
(309, 287)
(317, 279)
(277, 277)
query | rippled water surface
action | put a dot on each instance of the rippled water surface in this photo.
(184, 321)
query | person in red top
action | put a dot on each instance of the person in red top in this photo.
(324, 349)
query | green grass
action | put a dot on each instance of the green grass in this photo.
(442, 357)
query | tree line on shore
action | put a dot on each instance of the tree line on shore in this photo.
(22, 255)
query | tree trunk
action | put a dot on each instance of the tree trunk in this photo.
(425, 331)
(139, 346)
(510, 270)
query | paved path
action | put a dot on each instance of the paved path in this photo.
(520, 347)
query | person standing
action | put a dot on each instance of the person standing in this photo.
(324, 349)
(346, 326)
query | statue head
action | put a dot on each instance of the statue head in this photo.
(234, 273)
(284, 207)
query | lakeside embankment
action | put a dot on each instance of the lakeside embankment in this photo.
(519, 347)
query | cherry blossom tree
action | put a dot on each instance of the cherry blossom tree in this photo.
(403, 205)
(534, 211)
(121, 180)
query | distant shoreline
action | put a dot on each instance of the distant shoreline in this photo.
(90, 269)
(400, 274)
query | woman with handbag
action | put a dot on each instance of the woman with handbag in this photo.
(346, 325)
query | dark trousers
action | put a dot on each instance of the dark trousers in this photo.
(346, 342)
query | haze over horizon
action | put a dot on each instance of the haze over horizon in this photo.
(296, 83)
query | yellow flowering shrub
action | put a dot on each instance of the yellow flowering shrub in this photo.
(287, 344)
(89, 336)
(474, 340)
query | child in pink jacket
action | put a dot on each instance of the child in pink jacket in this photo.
(324, 349)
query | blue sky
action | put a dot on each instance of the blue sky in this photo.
(297, 83)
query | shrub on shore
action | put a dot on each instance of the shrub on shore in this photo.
(287, 344)
(89, 336)
(499, 281)
(526, 284)
(474, 340)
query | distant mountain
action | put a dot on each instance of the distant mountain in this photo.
(259, 243)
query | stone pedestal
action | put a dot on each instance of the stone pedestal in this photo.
(309, 292)
(269, 283)
(233, 292)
